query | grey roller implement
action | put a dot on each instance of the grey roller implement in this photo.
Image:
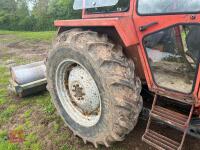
(28, 79)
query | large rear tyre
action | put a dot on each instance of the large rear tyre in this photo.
(93, 86)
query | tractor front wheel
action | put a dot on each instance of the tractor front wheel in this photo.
(93, 86)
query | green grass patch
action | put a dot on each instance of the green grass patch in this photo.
(4, 80)
(19, 128)
(3, 93)
(46, 35)
(3, 135)
(67, 147)
(36, 146)
(49, 108)
(7, 113)
(27, 114)
(4, 75)
(45, 102)
(27, 124)
(8, 146)
(5, 144)
(31, 142)
(2, 101)
(56, 127)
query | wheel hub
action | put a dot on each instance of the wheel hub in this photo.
(83, 90)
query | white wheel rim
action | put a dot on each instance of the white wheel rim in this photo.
(78, 93)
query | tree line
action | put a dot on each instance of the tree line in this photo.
(34, 15)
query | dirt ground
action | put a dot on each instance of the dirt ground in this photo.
(43, 122)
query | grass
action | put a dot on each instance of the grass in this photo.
(31, 142)
(46, 36)
(3, 85)
(2, 101)
(43, 101)
(5, 144)
(67, 147)
(27, 114)
(6, 114)
(10, 107)
(4, 75)
(34, 115)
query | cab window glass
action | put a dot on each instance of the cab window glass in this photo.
(121, 6)
(85, 4)
(147, 7)
(173, 56)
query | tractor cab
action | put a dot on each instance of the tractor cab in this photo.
(168, 35)
(161, 37)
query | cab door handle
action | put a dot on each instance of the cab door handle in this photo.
(145, 27)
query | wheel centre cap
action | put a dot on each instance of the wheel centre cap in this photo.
(83, 91)
(77, 92)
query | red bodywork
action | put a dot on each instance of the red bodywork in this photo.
(127, 25)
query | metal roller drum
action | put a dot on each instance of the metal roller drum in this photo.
(28, 79)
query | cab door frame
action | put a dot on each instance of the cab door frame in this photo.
(160, 22)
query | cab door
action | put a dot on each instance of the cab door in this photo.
(169, 35)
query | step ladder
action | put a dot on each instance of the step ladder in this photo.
(172, 118)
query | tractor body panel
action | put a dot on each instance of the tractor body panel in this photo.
(124, 27)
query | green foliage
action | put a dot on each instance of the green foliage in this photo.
(62, 9)
(18, 15)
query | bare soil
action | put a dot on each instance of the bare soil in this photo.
(42, 125)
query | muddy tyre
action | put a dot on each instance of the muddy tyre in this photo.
(93, 86)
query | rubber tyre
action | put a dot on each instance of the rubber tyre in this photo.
(114, 75)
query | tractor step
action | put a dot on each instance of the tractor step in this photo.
(171, 118)
(159, 141)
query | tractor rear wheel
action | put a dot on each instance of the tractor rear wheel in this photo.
(93, 86)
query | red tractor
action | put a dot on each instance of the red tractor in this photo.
(100, 63)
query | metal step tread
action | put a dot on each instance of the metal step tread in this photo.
(159, 141)
(171, 117)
